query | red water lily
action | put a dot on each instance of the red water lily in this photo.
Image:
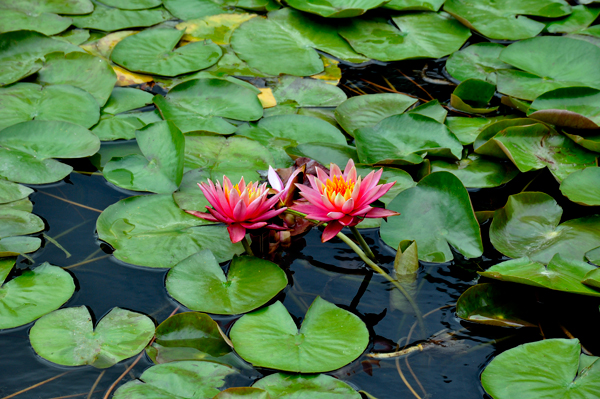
(342, 199)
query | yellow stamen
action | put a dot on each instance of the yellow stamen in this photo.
(337, 185)
(253, 191)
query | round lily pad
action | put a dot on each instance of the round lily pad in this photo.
(478, 61)
(199, 283)
(321, 386)
(10, 191)
(110, 19)
(68, 337)
(583, 187)
(329, 338)
(13, 246)
(32, 294)
(478, 172)
(575, 107)
(336, 8)
(25, 168)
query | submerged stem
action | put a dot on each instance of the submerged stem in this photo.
(363, 243)
(246, 245)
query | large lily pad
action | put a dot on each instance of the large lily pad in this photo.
(368, 110)
(321, 386)
(419, 35)
(436, 213)
(475, 171)
(484, 142)
(152, 231)
(177, 380)
(110, 19)
(574, 107)
(329, 338)
(199, 283)
(528, 225)
(217, 28)
(153, 51)
(336, 8)
(554, 368)
(292, 39)
(243, 392)
(47, 23)
(405, 139)
(478, 61)
(68, 337)
(27, 101)
(32, 294)
(591, 142)
(160, 169)
(22, 167)
(583, 187)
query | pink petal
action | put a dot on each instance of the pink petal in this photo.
(306, 208)
(224, 206)
(275, 227)
(239, 212)
(323, 177)
(350, 170)
(252, 209)
(335, 215)
(219, 216)
(268, 215)
(274, 179)
(328, 205)
(314, 198)
(289, 183)
(236, 232)
(348, 220)
(331, 231)
(334, 170)
(348, 206)
(375, 194)
(380, 213)
(356, 191)
(227, 183)
(338, 201)
(254, 225)
(202, 215)
(242, 184)
(361, 211)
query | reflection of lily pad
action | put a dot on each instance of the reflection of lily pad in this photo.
(68, 337)
(319, 386)
(436, 213)
(199, 283)
(111, 19)
(583, 187)
(574, 107)
(478, 172)
(336, 8)
(329, 338)
(32, 294)
(478, 61)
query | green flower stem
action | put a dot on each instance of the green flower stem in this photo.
(246, 245)
(362, 243)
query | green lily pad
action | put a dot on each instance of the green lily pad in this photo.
(476, 171)
(466, 129)
(152, 231)
(554, 368)
(188, 336)
(306, 92)
(27, 101)
(10, 192)
(528, 225)
(478, 61)
(321, 386)
(324, 153)
(132, 4)
(217, 28)
(32, 294)
(160, 169)
(546, 64)
(537, 146)
(592, 278)
(329, 338)
(476, 92)
(591, 143)
(177, 380)
(560, 274)
(484, 144)
(432, 109)
(47, 23)
(579, 19)
(496, 305)
(405, 139)
(18, 223)
(402, 178)
(505, 19)
(593, 256)
(74, 36)
(419, 35)
(114, 127)
(49, 6)
(22, 53)
(26, 168)
(82, 70)
(110, 19)
(199, 104)
(336, 8)
(125, 99)
(292, 38)
(243, 392)
(68, 337)
(199, 283)
(153, 51)
(20, 205)
(368, 110)
(13, 246)
(574, 107)
(583, 187)
(414, 5)
(436, 213)
(191, 9)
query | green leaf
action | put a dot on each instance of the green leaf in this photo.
(416, 5)
(306, 92)
(49, 6)
(18, 223)
(476, 92)
(478, 61)
(407, 258)
(368, 110)
(25, 168)
(329, 338)
(467, 129)
(10, 191)
(528, 225)
(114, 127)
(191, 9)
(217, 28)
(476, 171)
(544, 368)
(74, 36)
(574, 107)
(152, 231)
(419, 35)
(580, 18)
(592, 278)
(432, 109)
(32, 294)
(111, 19)
(199, 283)
(484, 143)
(245, 392)
(324, 153)
(125, 99)
(132, 4)
(583, 187)
(336, 8)
(13, 246)
(436, 213)
(403, 179)
(67, 337)
(591, 143)
(47, 23)
(321, 386)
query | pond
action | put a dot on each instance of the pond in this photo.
(493, 150)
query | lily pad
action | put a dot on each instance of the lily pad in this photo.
(336, 8)
(321, 386)
(329, 338)
(436, 213)
(583, 187)
(368, 110)
(243, 392)
(22, 167)
(132, 4)
(32, 294)
(292, 38)
(191, 9)
(13, 246)
(18, 223)
(554, 368)
(574, 107)
(592, 278)
(579, 19)
(10, 191)
(27, 101)
(68, 337)
(74, 36)
(419, 35)
(152, 231)
(466, 129)
(324, 153)
(199, 283)
(590, 142)
(114, 127)
(414, 5)
(405, 139)
(476, 171)
(306, 92)
(47, 23)
(478, 61)
(402, 178)
(432, 109)
(476, 92)
(216, 28)
(125, 99)
(110, 19)
(484, 144)
(528, 225)
(177, 380)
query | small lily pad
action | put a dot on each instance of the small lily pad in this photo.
(132, 4)
(10, 191)
(579, 19)
(125, 99)
(68, 337)
(199, 283)
(336, 8)
(472, 96)
(590, 142)
(583, 187)
(416, 5)
(476, 171)
(574, 107)
(478, 61)
(306, 92)
(243, 392)
(16, 222)
(321, 386)
(13, 246)
(329, 338)
(110, 19)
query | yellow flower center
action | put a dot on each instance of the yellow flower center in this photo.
(336, 186)
(253, 192)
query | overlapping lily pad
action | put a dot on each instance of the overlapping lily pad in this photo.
(199, 283)
(579, 19)
(324, 153)
(125, 99)
(132, 4)
(472, 96)
(110, 19)
(528, 225)
(16, 222)
(329, 338)
(478, 61)
(306, 92)
(68, 337)
(477, 172)
(319, 386)
(486, 145)
(336, 8)
(152, 231)
(583, 187)
(591, 142)
(467, 129)
(40, 16)
(574, 107)
(10, 192)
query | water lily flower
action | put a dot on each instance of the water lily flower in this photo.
(241, 206)
(342, 199)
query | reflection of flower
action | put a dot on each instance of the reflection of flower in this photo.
(342, 199)
(243, 206)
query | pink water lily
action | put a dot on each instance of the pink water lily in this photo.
(241, 206)
(342, 199)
